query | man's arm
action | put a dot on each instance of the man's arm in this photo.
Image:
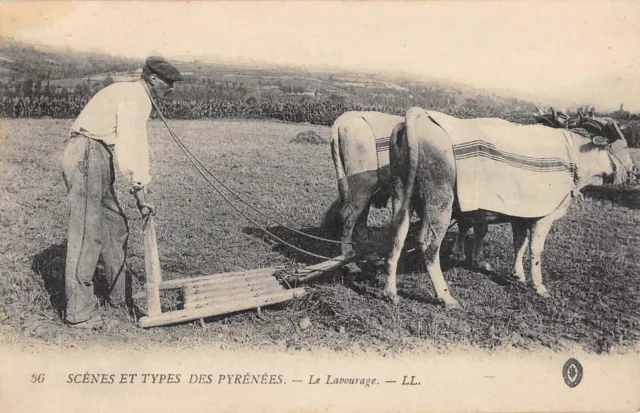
(132, 149)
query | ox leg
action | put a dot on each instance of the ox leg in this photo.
(360, 229)
(363, 234)
(539, 234)
(520, 244)
(347, 239)
(434, 225)
(457, 253)
(480, 229)
(355, 214)
(400, 228)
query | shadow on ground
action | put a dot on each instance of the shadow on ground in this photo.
(378, 242)
(371, 281)
(49, 264)
(298, 240)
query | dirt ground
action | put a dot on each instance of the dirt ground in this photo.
(590, 263)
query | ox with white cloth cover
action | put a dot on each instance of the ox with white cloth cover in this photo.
(518, 170)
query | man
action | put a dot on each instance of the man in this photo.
(113, 123)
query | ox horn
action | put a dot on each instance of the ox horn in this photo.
(556, 120)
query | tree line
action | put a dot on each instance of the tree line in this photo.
(298, 110)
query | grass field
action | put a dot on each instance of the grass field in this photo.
(590, 264)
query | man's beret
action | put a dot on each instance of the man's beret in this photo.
(164, 69)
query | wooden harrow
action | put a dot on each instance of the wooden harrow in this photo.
(211, 295)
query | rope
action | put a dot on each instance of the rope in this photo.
(242, 200)
(198, 165)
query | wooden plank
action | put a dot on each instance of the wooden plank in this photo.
(319, 269)
(222, 277)
(327, 265)
(179, 316)
(222, 294)
(189, 293)
(231, 284)
(153, 275)
(209, 299)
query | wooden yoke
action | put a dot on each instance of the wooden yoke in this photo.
(152, 266)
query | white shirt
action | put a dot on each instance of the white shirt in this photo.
(118, 115)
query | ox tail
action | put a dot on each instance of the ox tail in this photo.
(331, 219)
(341, 176)
(411, 150)
(397, 153)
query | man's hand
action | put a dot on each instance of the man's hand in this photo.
(144, 207)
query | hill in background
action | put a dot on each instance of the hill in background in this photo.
(248, 89)
(27, 70)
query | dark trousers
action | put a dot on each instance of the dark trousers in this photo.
(97, 225)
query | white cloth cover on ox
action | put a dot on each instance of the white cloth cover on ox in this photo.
(518, 170)
(381, 127)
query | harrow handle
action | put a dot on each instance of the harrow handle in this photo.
(151, 265)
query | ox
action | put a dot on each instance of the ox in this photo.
(553, 119)
(432, 173)
(360, 152)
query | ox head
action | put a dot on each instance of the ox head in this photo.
(607, 134)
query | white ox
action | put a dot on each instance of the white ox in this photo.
(441, 174)
(360, 152)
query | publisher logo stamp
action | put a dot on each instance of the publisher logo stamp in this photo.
(572, 372)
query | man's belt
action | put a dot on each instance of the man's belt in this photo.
(76, 134)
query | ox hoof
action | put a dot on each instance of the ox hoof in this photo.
(452, 305)
(352, 268)
(542, 291)
(392, 297)
(522, 280)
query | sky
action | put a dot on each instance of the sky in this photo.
(572, 52)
